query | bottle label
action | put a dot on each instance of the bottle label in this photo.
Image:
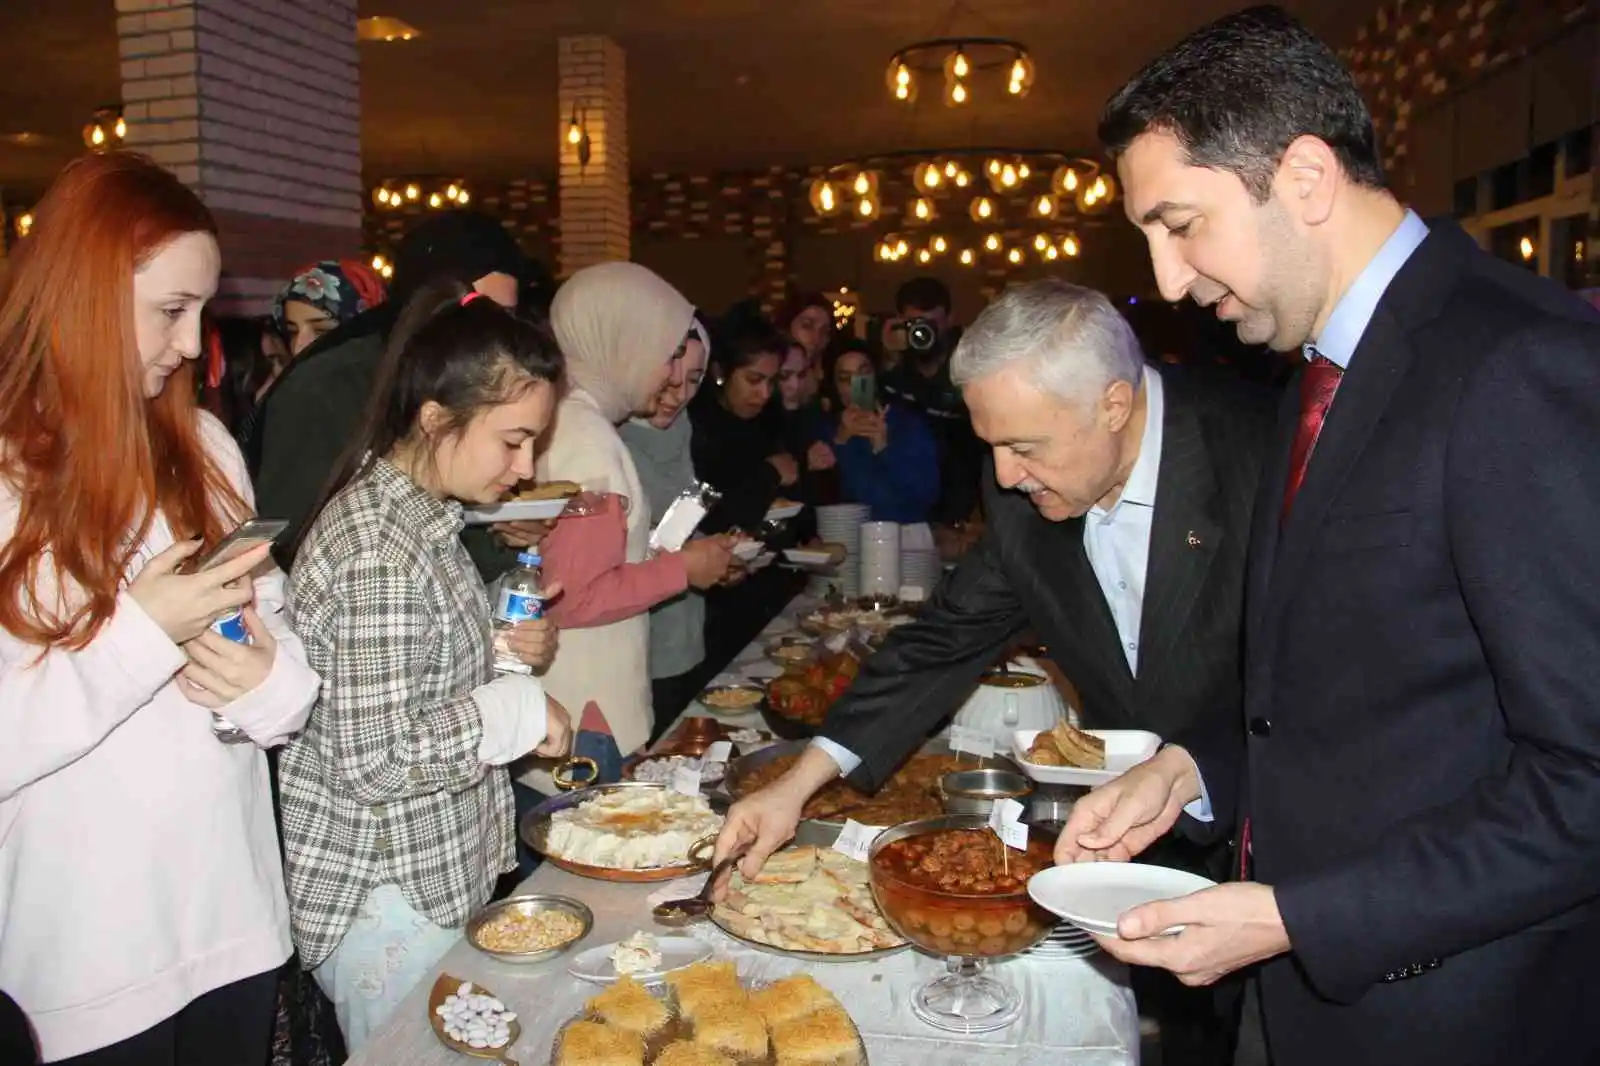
(519, 607)
(231, 626)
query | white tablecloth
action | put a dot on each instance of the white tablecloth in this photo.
(1077, 1011)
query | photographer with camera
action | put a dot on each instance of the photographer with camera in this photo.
(917, 344)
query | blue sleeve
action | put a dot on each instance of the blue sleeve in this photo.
(900, 483)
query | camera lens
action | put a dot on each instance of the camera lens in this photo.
(921, 334)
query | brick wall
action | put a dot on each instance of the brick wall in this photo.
(593, 201)
(256, 105)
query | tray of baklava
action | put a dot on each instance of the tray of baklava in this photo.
(707, 1015)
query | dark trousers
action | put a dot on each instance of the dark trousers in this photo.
(1252, 1046)
(228, 1026)
(669, 696)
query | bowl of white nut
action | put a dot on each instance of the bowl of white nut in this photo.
(529, 928)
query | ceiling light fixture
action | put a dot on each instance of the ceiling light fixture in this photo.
(961, 61)
(385, 29)
(106, 130)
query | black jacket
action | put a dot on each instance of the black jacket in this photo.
(1030, 573)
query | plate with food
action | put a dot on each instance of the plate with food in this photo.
(809, 902)
(708, 1015)
(869, 615)
(660, 769)
(1066, 755)
(782, 510)
(629, 831)
(469, 1019)
(529, 928)
(644, 957)
(816, 556)
(543, 501)
(792, 650)
(732, 699)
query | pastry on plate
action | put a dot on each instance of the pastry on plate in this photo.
(549, 490)
(789, 998)
(732, 1028)
(704, 986)
(792, 866)
(593, 1044)
(822, 1038)
(627, 1005)
(687, 1053)
(1064, 745)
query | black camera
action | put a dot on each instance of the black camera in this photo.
(922, 335)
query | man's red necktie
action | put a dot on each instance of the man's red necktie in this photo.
(1317, 386)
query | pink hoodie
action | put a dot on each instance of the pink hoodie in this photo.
(139, 862)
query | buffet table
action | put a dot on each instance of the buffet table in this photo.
(1078, 1011)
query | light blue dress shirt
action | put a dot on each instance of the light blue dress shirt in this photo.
(1340, 336)
(1117, 542)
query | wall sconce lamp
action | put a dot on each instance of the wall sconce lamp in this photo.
(578, 137)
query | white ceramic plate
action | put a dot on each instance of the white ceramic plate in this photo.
(1125, 749)
(762, 671)
(746, 550)
(1093, 895)
(516, 511)
(676, 953)
(808, 557)
(778, 514)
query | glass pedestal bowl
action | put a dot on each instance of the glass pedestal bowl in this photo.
(968, 927)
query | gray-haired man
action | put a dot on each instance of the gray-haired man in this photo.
(1118, 513)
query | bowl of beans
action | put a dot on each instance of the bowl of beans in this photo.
(529, 928)
(953, 889)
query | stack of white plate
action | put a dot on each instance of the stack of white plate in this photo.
(880, 559)
(921, 569)
(1066, 941)
(840, 523)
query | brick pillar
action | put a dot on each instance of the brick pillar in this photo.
(256, 105)
(594, 195)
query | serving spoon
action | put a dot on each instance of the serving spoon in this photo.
(680, 912)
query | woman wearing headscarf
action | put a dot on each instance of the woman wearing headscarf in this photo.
(323, 297)
(660, 449)
(312, 413)
(625, 333)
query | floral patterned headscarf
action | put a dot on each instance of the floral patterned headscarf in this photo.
(339, 288)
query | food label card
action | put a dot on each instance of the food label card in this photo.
(1005, 819)
(686, 779)
(972, 741)
(855, 840)
(717, 752)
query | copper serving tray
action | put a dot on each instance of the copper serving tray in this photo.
(535, 832)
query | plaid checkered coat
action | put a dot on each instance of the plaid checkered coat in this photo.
(384, 786)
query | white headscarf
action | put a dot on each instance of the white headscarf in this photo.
(617, 323)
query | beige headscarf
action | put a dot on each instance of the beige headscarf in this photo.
(617, 323)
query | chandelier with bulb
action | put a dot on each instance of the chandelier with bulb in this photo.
(1036, 192)
(968, 65)
(432, 194)
(106, 130)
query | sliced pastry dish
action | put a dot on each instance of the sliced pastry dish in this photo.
(807, 899)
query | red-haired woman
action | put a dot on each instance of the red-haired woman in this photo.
(142, 913)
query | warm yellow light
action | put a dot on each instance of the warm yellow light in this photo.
(121, 128)
(388, 270)
(574, 133)
(922, 208)
(1069, 247)
(1014, 88)
(383, 197)
(1069, 181)
(462, 199)
(902, 76)
(982, 209)
(967, 257)
(963, 179)
(866, 208)
(1024, 171)
(435, 200)
(931, 176)
(1008, 176)
(960, 66)
(900, 247)
(955, 93)
(863, 184)
(378, 262)
(1041, 242)
(1525, 246)
(24, 223)
(413, 191)
(1044, 207)
(951, 169)
(993, 167)
(97, 136)
(826, 197)
(1015, 255)
(991, 243)
(940, 245)
(924, 256)
(452, 192)
(902, 92)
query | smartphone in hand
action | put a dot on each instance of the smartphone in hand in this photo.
(255, 532)
(864, 392)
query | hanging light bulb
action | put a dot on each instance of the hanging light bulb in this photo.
(1008, 176)
(1021, 76)
(885, 252)
(922, 209)
(967, 258)
(463, 198)
(121, 128)
(992, 243)
(1041, 242)
(939, 246)
(901, 82)
(413, 191)
(951, 169)
(1015, 255)
(1045, 207)
(824, 197)
(24, 223)
(1024, 172)
(435, 200)
(955, 93)
(1050, 252)
(956, 65)
(97, 136)
(963, 179)
(453, 193)
(1065, 179)
(863, 184)
(1096, 195)
(1069, 246)
(574, 131)
(901, 248)
(981, 209)
(867, 208)
(924, 256)
(380, 196)
(927, 177)
(378, 262)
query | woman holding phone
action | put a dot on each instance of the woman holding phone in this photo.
(397, 808)
(142, 911)
(885, 453)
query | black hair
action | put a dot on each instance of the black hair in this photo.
(246, 368)
(1238, 92)
(924, 293)
(745, 343)
(452, 347)
(830, 364)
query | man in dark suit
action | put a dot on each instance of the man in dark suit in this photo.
(1418, 773)
(1118, 502)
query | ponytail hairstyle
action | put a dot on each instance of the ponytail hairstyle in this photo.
(453, 347)
(92, 462)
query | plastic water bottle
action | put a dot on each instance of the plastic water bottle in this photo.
(521, 600)
(231, 627)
